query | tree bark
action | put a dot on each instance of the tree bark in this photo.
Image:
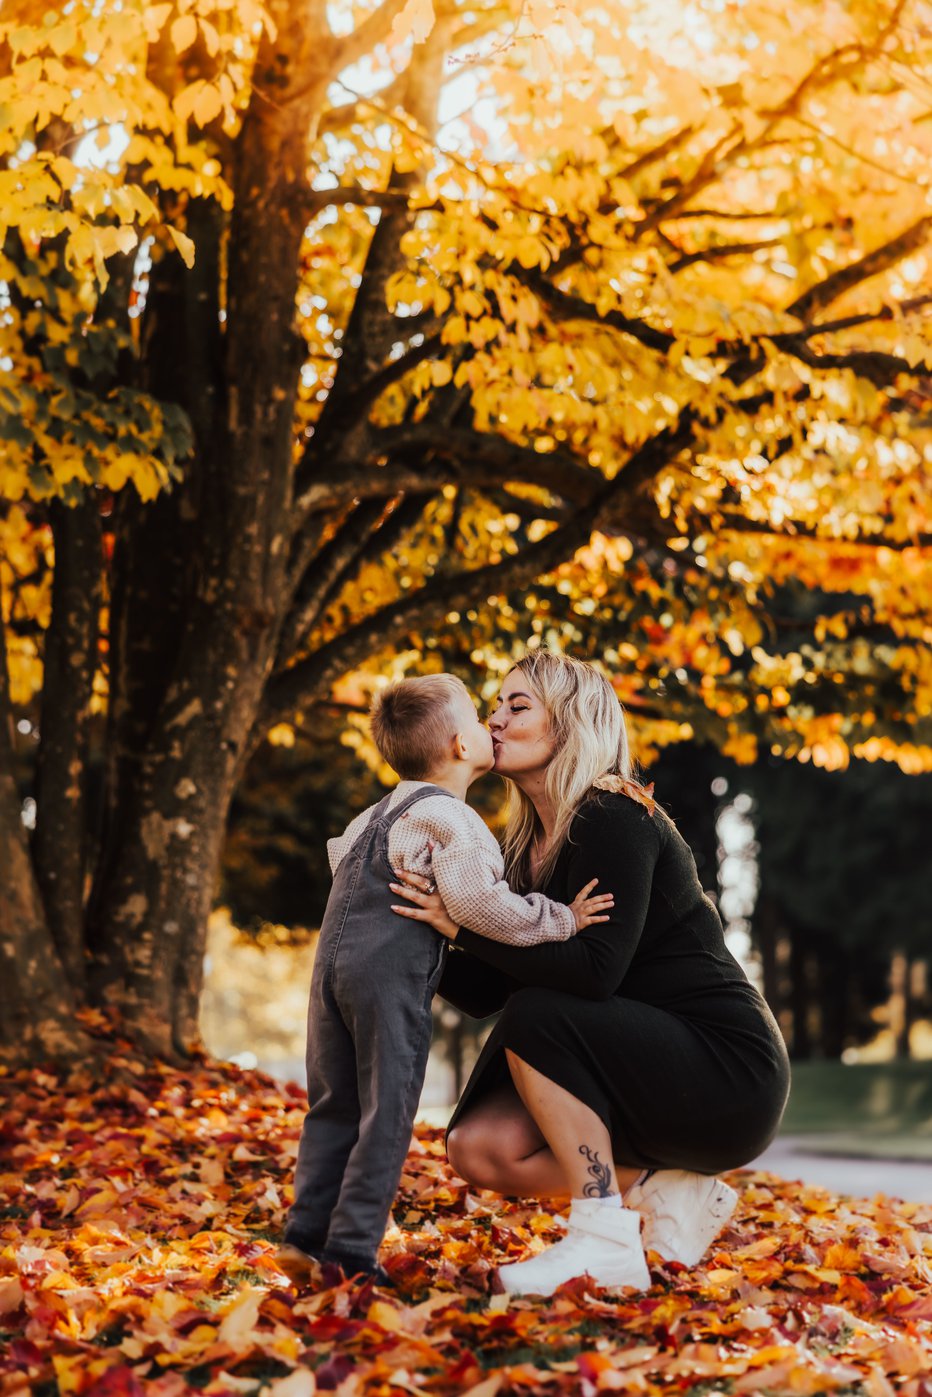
(899, 1004)
(187, 688)
(70, 662)
(799, 976)
(767, 932)
(36, 1004)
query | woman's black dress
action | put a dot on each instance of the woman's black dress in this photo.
(647, 1018)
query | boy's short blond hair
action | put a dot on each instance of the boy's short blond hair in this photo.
(413, 723)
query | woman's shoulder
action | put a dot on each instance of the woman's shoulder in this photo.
(619, 802)
(627, 787)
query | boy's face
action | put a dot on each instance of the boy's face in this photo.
(476, 736)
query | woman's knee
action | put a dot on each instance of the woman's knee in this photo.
(469, 1154)
(486, 1144)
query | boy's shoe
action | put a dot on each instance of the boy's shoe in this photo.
(299, 1266)
(601, 1241)
(353, 1265)
(683, 1212)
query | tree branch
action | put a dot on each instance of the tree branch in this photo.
(871, 364)
(713, 254)
(312, 677)
(493, 459)
(373, 387)
(872, 263)
(323, 570)
(657, 152)
(356, 194)
(374, 30)
(740, 524)
(564, 305)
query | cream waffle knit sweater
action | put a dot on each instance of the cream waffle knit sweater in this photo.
(466, 865)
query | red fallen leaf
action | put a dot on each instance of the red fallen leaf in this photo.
(146, 1300)
(407, 1267)
(25, 1354)
(116, 1382)
(330, 1327)
(330, 1374)
(465, 1370)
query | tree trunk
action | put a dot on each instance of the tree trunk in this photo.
(767, 936)
(70, 662)
(192, 651)
(899, 1004)
(833, 975)
(36, 1004)
(799, 978)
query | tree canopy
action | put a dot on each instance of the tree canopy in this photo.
(684, 259)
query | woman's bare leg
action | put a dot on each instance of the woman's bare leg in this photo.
(498, 1146)
(579, 1142)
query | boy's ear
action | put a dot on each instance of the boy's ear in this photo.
(460, 750)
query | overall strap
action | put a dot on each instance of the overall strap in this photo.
(388, 817)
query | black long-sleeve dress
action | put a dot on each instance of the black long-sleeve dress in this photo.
(647, 1018)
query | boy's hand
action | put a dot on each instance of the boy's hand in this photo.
(588, 909)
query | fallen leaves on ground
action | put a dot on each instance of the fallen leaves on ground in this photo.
(138, 1223)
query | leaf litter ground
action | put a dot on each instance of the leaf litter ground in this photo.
(139, 1218)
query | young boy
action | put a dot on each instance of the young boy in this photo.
(369, 1017)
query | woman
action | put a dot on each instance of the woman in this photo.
(632, 1063)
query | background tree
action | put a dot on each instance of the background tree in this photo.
(843, 910)
(404, 365)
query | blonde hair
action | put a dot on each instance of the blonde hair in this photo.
(413, 723)
(587, 724)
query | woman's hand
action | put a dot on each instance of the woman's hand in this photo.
(588, 910)
(428, 907)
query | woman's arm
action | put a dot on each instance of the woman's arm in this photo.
(618, 842)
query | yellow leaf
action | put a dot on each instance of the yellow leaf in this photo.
(153, 17)
(240, 1320)
(24, 40)
(387, 1317)
(64, 171)
(529, 252)
(415, 22)
(210, 36)
(183, 32)
(62, 38)
(207, 105)
(184, 244)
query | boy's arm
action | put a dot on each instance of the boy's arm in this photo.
(468, 873)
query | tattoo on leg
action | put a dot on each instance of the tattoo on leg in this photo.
(601, 1174)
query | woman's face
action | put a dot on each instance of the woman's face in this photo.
(520, 728)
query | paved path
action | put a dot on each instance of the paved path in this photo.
(861, 1178)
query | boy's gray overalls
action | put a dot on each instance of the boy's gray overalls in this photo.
(368, 1035)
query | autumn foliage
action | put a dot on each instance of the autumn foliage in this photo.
(137, 1228)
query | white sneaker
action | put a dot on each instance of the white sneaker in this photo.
(601, 1240)
(683, 1212)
